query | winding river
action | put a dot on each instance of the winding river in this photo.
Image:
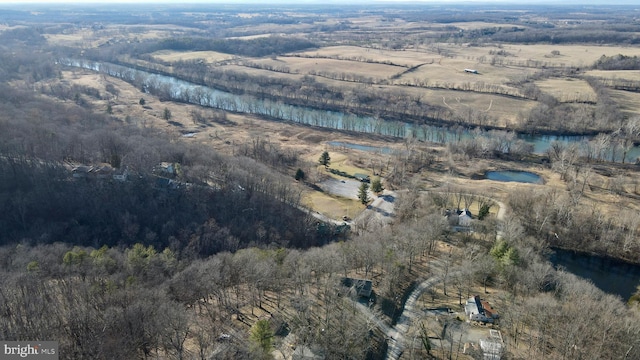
(206, 96)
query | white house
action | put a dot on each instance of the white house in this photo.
(464, 217)
(478, 310)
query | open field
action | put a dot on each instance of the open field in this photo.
(91, 38)
(541, 54)
(333, 67)
(504, 109)
(270, 29)
(207, 56)
(568, 89)
(404, 58)
(451, 71)
(627, 101)
(472, 25)
(632, 75)
(333, 207)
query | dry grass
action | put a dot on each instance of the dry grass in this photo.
(342, 162)
(404, 58)
(333, 207)
(208, 56)
(261, 72)
(627, 101)
(568, 89)
(633, 75)
(570, 55)
(504, 109)
(448, 70)
(331, 66)
(81, 38)
(473, 25)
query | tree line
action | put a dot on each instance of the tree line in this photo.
(258, 47)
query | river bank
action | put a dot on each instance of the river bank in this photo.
(183, 91)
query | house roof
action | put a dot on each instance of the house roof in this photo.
(363, 287)
(83, 169)
(464, 212)
(475, 305)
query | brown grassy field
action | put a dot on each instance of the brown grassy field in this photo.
(627, 101)
(90, 38)
(333, 67)
(632, 75)
(208, 56)
(568, 89)
(518, 54)
(451, 71)
(504, 109)
(404, 58)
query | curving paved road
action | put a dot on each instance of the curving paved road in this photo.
(410, 312)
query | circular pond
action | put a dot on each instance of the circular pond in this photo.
(514, 176)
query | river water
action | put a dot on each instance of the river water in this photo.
(206, 96)
(610, 276)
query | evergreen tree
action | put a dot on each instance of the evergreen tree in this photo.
(363, 193)
(325, 159)
(376, 185)
(261, 337)
(299, 174)
(484, 211)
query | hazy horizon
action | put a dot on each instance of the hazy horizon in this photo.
(301, 2)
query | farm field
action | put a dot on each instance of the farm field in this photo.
(405, 58)
(339, 68)
(632, 75)
(207, 56)
(522, 55)
(627, 101)
(568, 90)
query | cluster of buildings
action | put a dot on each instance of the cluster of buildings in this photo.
(101, 172)
(164, 174)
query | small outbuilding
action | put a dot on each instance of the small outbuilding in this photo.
(362, 177)
(362, 287)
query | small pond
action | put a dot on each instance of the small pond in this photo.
(514, 176)
(610, 275)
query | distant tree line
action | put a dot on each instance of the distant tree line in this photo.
(258, 47)
(617, 62)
